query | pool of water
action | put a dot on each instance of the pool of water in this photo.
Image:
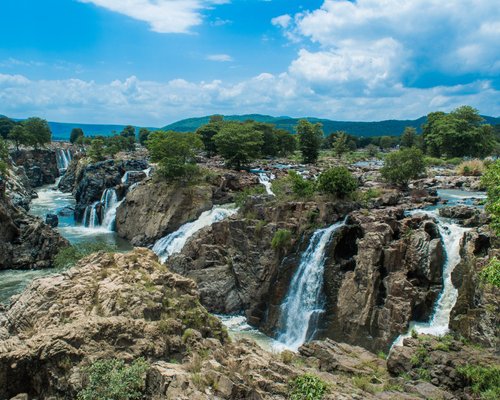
(457, 196)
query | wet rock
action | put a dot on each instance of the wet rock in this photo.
(40, 165)
(66, 211)
(52, 220)
(458, 212)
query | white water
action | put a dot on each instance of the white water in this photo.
(90, 217)
(175, 241)
(304, 301)
(265, 180)
(110, 204)
(63, 157)
(438, 324)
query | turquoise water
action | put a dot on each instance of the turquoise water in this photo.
(50, 200)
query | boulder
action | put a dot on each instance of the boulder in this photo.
(458, 212)
(52, 220)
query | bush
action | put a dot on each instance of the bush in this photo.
(434, 161)
(307, 387)
(242, 197)
(485, 381)
(491, 273)
(301, 187)
(491, 180)
(402, 166)
(69, 256)
(471, 168)
(281, 239)
(113, 380)
(337, 181)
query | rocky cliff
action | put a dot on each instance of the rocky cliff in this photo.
(39, 165)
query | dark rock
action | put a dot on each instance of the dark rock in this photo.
(52, 220)
(458, 212)
(66, 211)
(40, 165)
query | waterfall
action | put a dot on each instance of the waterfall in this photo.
(175, 241)
(63, 158)
(266, 181)
(304, 301)
(451, 234)
(110, 203)
(147, 171)
(125, 177)
(90, 217)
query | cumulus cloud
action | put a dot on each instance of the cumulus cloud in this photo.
(153, 103)
(220, 57)
(282, 21)
(163, 16)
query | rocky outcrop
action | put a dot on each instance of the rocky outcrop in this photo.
(468, 216)
(156, 207)
(476, 314)
(40, 165)
(438, 361)
(111, 305)
(26, 242)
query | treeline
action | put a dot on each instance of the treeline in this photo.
(33, 132)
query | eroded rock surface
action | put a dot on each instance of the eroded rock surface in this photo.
(40, 165)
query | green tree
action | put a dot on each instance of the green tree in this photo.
(337, 181)
(238, 143)
(96, 150)
(38, 131)
(287, 142)
(491, 180)
(458, 134)
(6, 125)
(75, 134)
(409, 137)
(372, 150)
(4, 158)
(143, 135)
(341, 145)
(386, 142)
(402, 166)
(19, 135)
(128, 131)
(310, 139)
(269, 139)
(216, 118)
(175, 152)
(207, 132)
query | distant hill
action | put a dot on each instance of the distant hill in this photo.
(376, 128)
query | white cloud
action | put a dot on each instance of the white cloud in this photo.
(157, 103)
(163, 16)
(282, 21)
(220, 57)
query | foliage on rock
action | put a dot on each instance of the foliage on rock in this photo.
(307, 387)
(402, 166)
(491, 180)
(337, 181)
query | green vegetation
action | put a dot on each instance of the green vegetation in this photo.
(485, 381)
(6, 125)
(307, 387)
(471, 168)
(242, 197)
(31, 132)
(208, 131)
(69, 256)
(144, 135)
(310, 138)
(402, 166)
(128, 132)
(301, 187)
(491, 180)
(458, 134)
(491, 273)
(113, 380)
(337, 181)
(175, 153)
(4, 157)
(409, 137)
(341, 145)
(281, 239)
(238, 143)
(76, 134)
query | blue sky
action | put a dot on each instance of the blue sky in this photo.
(151, 62)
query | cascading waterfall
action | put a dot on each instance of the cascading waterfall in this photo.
(175, 241)
(304, 301)
(265, 180)
(125, 177)
(110, 203)
(90, 217)
(451, 234)
(63, 157)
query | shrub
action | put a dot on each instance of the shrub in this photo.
(281, 239)
(113, 380)
(491, 273)
(307, 387)
(471, 168)
(301, 187)
(402, 166)
(491, 180)
(69, 256)
(242, 197)
(485, 381)
(433, 161)
(337, 181)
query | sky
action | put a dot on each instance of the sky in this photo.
(153, 62)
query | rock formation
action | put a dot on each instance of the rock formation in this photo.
(40, 165)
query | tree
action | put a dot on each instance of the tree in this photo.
(175, 152)
(128, 131)
(310, 138)
(341, 145)
(143, 135)
(287, 142)
(491, 180)
(269, 139)
(4, 158)
(337, 181)
(372, 150)
(409, 137)
(6, 125)
(238, 143)
(207, 132)
(216, 118)
(96, 150)
(19, 135)
(402, 166)
(75, 134)
(386, 142)
(38, 131)
(458, 134)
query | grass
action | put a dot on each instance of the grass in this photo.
(491, 273)
(471, 168)
(307, 387)
(69, 256)
(485, 381)
(281, 239)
